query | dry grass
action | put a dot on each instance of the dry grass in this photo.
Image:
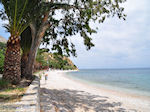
(11, 93)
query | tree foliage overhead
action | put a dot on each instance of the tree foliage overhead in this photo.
(71, 17)
(26, 40)
(66, 18)
(18, 13)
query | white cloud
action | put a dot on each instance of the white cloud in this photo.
(118, 43)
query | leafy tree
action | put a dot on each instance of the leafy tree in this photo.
(17, 13)
(2, 46)
(1, 61)
(2, 52)
(74, 18)
(40, 57)
(61, 62)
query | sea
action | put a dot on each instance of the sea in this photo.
(136, 81)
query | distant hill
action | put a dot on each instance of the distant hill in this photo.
(2, 39)
(63, 61)
(54, 61)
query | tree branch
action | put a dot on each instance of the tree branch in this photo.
(33, 30)
(42, 29)
(54, 6)
(45, 17)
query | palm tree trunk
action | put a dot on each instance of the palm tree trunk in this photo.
(12, 69)
(24, 60)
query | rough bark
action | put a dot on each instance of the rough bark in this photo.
(33, 52)
(12, 63)
(36, 40)
(24, 60)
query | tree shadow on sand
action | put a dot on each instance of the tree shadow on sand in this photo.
(71, 100)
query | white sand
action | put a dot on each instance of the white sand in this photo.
(69, 95)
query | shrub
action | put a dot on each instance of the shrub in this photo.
(2, 52)
(4, 84)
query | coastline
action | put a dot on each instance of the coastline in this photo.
(108, 87)
(131, 102)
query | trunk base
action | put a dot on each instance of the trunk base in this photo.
(29, 77)
(24, 60)
(12, 63)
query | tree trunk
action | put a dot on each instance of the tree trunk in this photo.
(12, 63)
(31, 59)
(24, 60)
(26, 40)
(36, 40)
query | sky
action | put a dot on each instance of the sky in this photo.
(118, 43)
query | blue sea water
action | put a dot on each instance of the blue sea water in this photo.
(128, 80)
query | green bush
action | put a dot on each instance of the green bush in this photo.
(1, 61)
(68, 67)
(2, 45)
(2, 56)
(40, 58)
(55, 62)
(4, 84)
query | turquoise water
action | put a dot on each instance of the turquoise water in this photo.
(129, 80)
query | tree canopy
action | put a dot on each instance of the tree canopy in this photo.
(19, 14)
(65, 18)
(71, 17)
(55, 21)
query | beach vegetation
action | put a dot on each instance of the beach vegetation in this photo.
(2, 53)
(1, 61)
(4, 84)
(47, 28)
(53, 61)
(12, 93)
(75, 18)
(16, 12)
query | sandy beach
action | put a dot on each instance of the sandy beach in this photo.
(63, 94)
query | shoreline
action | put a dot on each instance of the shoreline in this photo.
(115, 94)
(108, 87)
(131, 102)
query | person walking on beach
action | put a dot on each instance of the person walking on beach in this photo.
(46, 77)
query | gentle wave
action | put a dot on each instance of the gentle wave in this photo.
(128, 80)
